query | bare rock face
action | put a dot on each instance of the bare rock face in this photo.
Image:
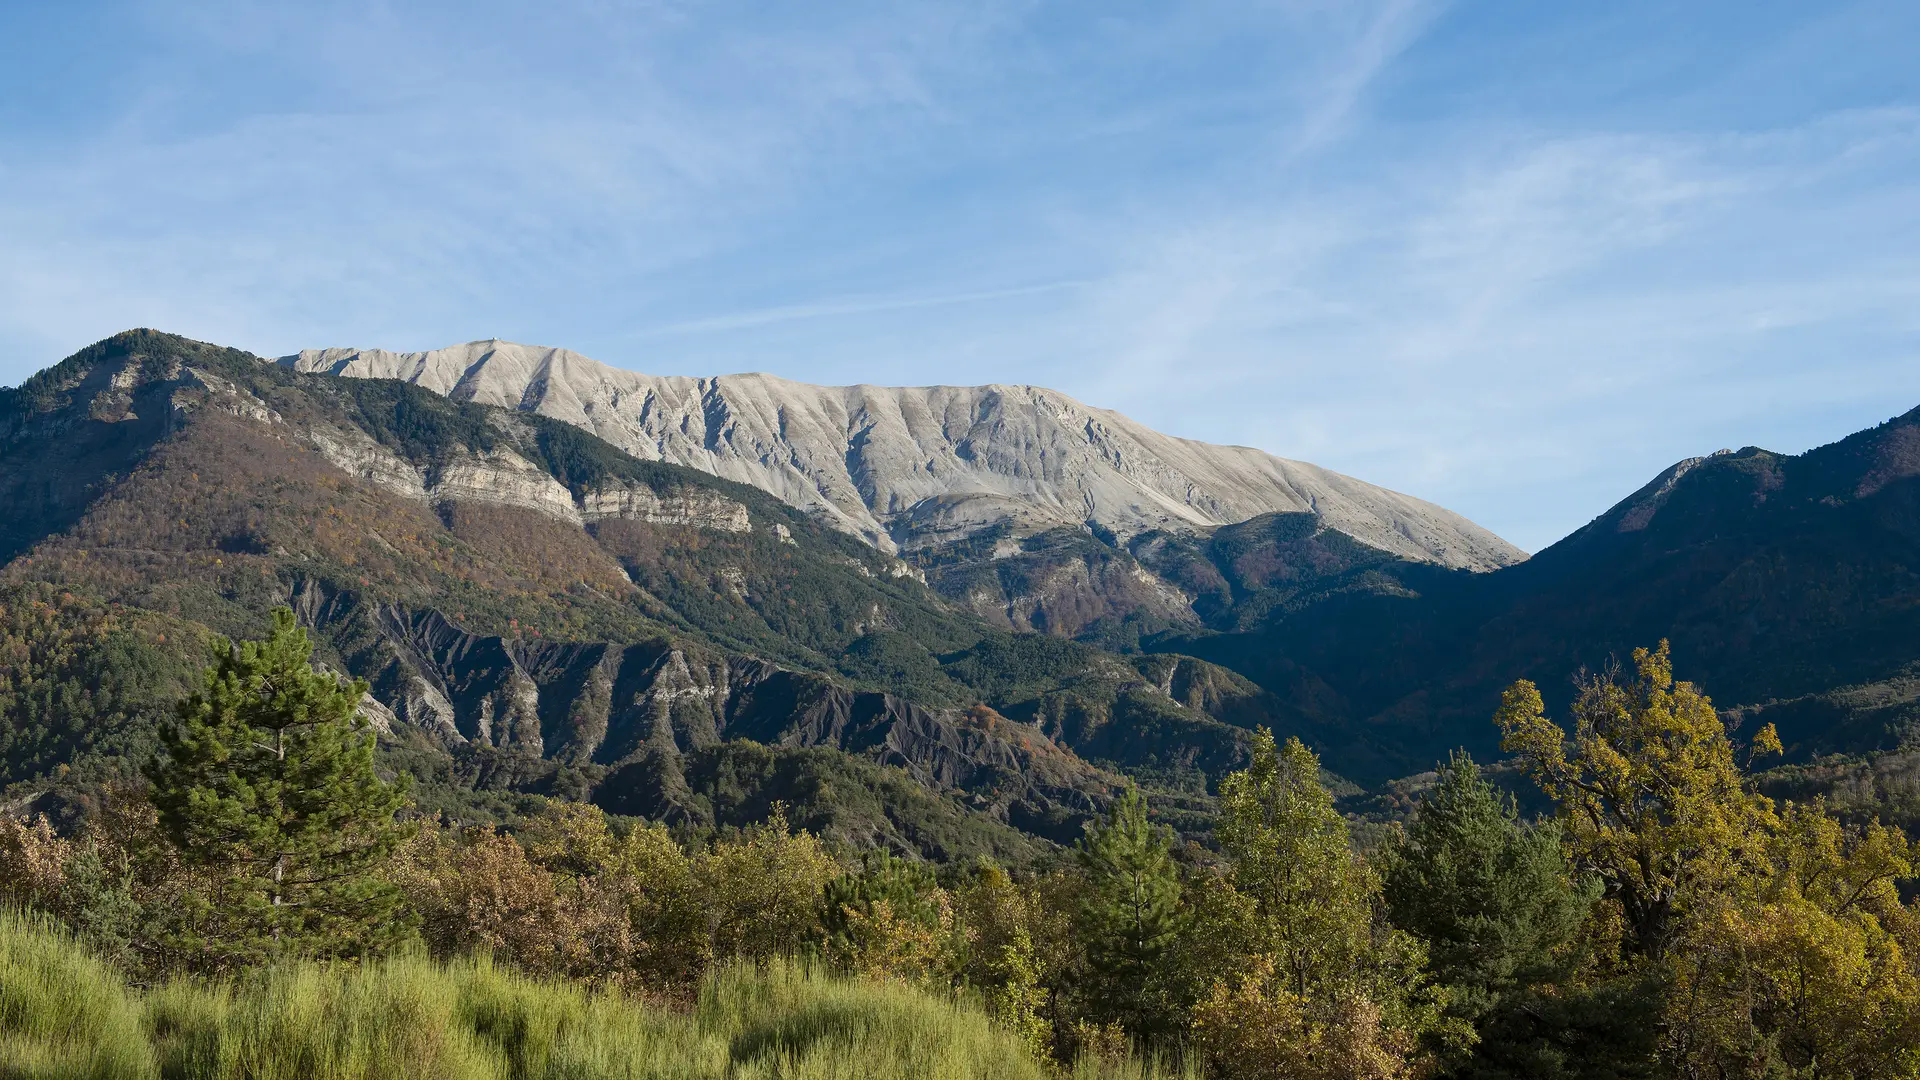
(911, 467)
(697, 509)
(628, 709)
(504, 478)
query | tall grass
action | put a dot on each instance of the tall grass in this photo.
(411, 1017)
(789, 1021)
(64, 1015)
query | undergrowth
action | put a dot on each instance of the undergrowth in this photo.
(66, 1016)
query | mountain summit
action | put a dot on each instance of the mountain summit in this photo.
(914, 467)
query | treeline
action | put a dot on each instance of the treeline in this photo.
(1668, 920)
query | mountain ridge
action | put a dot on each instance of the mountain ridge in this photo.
(538, 612)
(1788, 584)
(914, 467)
(569, 618)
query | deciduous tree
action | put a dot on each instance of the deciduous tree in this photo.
(763, 889)
(1320, 976)
(999, 921)
(1809, 970)
(1648, 788)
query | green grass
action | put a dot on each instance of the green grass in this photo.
(411, 1017)
(791, 1022)
(65, 1015)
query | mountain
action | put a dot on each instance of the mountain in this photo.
(1789, 586)
(538, 612)
(910, 468)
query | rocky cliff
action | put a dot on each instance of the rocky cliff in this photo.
(915, 467)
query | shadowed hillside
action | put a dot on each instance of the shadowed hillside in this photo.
(1781, 580)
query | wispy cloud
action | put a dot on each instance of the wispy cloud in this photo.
(1538, 311)
(1513, 261)
(1385, 30)
(839, 308)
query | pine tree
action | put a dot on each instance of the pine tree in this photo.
(1491, 897)
(890, 919)
(1494, 900)
(1130, 915)
(907, 888)
(267, 779)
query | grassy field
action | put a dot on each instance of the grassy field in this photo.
(65, 1015)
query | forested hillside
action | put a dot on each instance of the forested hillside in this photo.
(278, 892)
(1788, 584)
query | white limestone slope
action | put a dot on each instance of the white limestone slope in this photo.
(911, 466)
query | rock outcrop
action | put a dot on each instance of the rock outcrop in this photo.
(912, 467)
(500, 477)
(628, 708)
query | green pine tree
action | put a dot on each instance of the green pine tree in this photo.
(1492, 898)
(907, 888)
(267, 783)
(1130, 914)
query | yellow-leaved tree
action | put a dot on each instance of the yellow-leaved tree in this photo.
(1778, 935)
(1647, 784)
(1808, 970)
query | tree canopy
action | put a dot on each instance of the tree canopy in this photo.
(1648, 788)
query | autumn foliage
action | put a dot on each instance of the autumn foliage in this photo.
(1667, 919)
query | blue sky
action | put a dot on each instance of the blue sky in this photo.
(1511, 257)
